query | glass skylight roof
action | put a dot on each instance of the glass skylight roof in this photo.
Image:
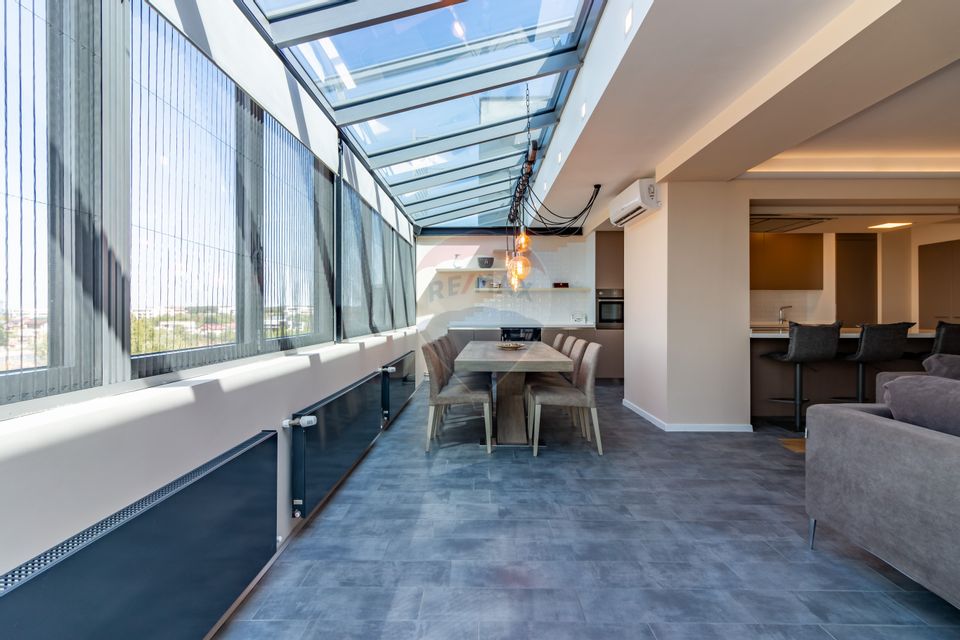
(453, 116)
(459, 186)
(277, 8)
(457, 158)
(433, 95)
(425, 48)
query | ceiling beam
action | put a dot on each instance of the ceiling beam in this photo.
(457, 174)
(324, 22)
(456, 87)
(846, 67)
(467, 139)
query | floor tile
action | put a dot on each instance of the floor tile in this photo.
(679, 536)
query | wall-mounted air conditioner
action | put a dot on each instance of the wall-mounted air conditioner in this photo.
(637, 199)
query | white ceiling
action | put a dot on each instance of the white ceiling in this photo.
(919, 124)
(689, 59)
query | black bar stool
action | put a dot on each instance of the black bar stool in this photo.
(878, 343)
(947, 338)
(808, 343)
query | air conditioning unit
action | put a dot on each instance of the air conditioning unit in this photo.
(637, 199)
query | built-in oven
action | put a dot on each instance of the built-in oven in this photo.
(609, 308)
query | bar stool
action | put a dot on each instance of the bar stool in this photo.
(808, 343)
(878, 343)
(947, 338)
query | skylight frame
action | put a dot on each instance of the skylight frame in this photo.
(411, 98)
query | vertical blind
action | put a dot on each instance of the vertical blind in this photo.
(229, 225)
(184, 247)
(50, 247)
(377, 278)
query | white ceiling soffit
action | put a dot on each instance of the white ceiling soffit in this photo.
(661, 112)
(913, 133)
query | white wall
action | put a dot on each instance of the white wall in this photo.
(64, 469)
(645, 352)
(691, 333)
(444, 298)
(812, 306)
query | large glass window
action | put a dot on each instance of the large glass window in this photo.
(183, 194)
(436, 45)
(50, 174)
(297, 239)
(373, 289)
(193, 229)
(455, 116)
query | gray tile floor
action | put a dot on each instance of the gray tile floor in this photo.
(666, 537)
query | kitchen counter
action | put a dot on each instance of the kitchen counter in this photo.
(844, 333)
(474, 326)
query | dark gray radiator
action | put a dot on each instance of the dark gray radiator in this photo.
(348, 423)
(399, 383)
(167, 566)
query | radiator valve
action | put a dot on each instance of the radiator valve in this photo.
(302, 421)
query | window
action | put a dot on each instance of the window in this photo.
(183, 196)
(217, 239)
(297, 239)
(375, 275)
(50, 247)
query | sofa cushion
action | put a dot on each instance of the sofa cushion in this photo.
(926, 401)
(943, 365)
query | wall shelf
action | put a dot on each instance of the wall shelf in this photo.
(533, 289)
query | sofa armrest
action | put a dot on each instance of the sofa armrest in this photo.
(886, 376)
(889, 486)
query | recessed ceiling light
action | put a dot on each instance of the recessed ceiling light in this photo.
(583, 110)
(891, 225)
(628, 21)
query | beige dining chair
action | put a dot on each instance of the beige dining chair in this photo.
(568, 345)
(445, 392)
(447, 350)
(561, 379)
(558, 341)
(581, 396)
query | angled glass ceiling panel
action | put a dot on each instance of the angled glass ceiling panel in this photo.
(456, 186)
(456, 116)
(278, 8)
(469, 202)
(437, 45)
(457, 158)
(491, 219)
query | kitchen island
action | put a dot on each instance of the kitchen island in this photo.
(822, 381)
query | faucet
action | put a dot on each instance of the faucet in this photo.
(781, 315)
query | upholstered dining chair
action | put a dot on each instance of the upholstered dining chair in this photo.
(558, 341)
(568, 345)
(580, 396)
(447, 350)
(445, 392)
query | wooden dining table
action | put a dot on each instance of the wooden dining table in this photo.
(511, 368)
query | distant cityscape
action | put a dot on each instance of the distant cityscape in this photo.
(24, 334)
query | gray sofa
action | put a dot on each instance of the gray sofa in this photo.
(890, 487)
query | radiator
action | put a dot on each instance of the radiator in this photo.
(167, 566)
(348, 423)
(399, 383)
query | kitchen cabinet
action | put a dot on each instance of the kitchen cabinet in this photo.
(786, 261)
(609, 262)
(856, 278)
(939, 283)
